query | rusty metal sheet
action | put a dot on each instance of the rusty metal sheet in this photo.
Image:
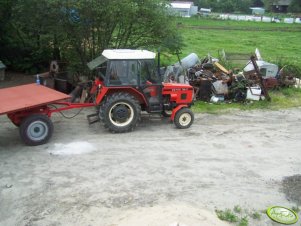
(27, 96)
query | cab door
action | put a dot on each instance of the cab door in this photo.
(150, 85)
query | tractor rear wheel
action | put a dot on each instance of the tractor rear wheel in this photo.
(121, 112)
(184, 118)
(36, 129)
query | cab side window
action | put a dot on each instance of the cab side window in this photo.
(123, 72)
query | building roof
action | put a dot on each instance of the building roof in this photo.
(181, 5)
(205, 10)
(257, 8)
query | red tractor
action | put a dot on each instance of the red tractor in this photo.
(129, 82)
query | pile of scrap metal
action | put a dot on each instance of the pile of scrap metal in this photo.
(212, 82)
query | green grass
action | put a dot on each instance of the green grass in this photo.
(270, 38)
(237, 209)
(194, 21)
(283, 98)
(244, 221)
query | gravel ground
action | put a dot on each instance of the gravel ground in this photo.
(155, 175)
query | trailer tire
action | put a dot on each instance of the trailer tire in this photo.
(121, 112)
(184, 118)
(36, 129)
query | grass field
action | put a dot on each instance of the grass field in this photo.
(278, 43)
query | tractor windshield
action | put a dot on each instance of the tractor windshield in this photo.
(132, 72)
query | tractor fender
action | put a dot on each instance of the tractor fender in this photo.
(176, 109)
(110, 90)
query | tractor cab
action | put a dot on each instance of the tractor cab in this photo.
(135, 69)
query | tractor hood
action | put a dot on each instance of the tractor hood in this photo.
(176, 86)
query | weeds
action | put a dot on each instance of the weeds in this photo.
(237, 209)
(244, 221)
(237, 215)
(281, 99)
(256, 216)
(226, 215)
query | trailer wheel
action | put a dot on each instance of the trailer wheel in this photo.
(36, 129)
(184, 118)
(121, 112)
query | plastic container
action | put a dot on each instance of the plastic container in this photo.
(217, 99)
(254, 93)
(38, 80)
(189, 61)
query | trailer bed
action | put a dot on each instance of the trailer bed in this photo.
(23, 97)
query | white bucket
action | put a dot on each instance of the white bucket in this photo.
(189, 61)
(254, 93)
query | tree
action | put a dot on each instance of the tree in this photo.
(268, 4)
(257, 3)
(78, 30)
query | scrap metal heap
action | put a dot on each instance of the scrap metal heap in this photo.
(213, 82)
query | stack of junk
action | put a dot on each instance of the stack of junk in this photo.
(213, 82)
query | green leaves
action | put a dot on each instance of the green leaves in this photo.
(78, 31)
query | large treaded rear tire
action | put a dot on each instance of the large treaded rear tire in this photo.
(184, 118)
(121, 112)
(36, 129)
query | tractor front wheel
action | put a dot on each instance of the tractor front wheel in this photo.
(184, 118)
(121, 112)
(36, 129)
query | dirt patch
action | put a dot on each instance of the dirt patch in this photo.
(169, 215)
(88, 176)
(291, 186)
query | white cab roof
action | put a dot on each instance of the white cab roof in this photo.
(127, 54)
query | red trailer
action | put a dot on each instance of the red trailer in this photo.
(29, 108)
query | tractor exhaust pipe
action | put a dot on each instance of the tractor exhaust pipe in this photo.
(159, 64)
